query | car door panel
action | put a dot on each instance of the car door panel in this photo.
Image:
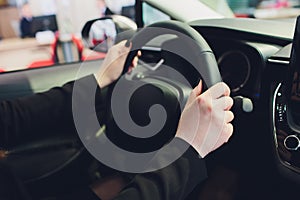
(43, 157)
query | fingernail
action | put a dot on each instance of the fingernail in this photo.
(198, 81)
(127, 44)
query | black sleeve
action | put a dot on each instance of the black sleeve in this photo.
(85, 193)
(173, 182)
(43, 111)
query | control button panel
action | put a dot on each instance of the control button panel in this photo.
(287, 140)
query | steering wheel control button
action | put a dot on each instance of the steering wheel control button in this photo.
(292, 143)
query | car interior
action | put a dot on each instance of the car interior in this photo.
(258, 59)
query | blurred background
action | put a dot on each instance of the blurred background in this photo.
(30, 29)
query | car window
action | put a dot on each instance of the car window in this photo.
(36, 33)
(265, 9)
(55, 38)
(152, 15)
(221, 6)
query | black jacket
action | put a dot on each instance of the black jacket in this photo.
(19, 118)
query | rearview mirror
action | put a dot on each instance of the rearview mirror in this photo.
(100, 34)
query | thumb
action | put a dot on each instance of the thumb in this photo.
(199, 88)
(195, 92)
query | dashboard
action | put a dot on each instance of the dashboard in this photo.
(241, 64)
(257, 65)
(241, 53)
(285, 110)
(253, 62)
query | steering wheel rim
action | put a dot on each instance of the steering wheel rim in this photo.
(201, 56)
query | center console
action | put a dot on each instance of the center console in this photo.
(286, 111)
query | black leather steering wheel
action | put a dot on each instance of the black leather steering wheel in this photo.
(141, 90)
(199, 55)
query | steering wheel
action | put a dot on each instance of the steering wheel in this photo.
(145, 105)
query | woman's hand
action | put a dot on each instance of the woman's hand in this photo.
(205, 120)
(113, 64)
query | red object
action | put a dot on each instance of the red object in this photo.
(54, 54)
(242, 15)
(78, 43)
(41, 63)
(282, 4)
(75, 40)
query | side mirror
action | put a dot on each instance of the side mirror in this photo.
(100, 34)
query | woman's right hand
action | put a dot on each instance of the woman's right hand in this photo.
(205, 122)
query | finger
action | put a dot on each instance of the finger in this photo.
(229, 116)
(218, 90)
(131, 67)
(225, 136)
(227, 131)
(129, 70)
(198, 89)
(139, 54)
(195, 92)
(223, 103)
(135, 61)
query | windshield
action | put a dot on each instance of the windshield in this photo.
(42, 33)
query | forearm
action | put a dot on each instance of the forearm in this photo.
(51, 110)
